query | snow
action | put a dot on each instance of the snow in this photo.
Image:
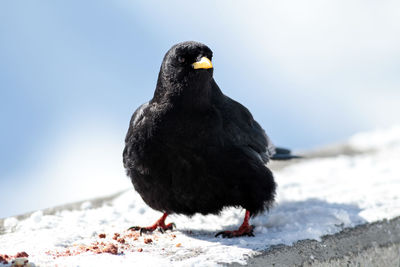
(315, 197)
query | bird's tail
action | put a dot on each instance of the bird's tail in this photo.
(283, 154)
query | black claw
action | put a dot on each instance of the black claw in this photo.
(144, 230)
(223, 233)
(140, 229)
(134, 228)
(147, 230)
(229, 234)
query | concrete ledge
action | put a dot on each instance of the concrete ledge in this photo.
(375, 244)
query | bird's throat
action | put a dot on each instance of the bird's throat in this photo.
(196, 96)
(192, 93)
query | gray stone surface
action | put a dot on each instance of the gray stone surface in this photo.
(375, 244)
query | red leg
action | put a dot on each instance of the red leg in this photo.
(244, 229)
(159, 224)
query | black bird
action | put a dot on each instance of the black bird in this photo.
(191, 149)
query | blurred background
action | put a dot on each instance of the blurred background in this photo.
(73, 72)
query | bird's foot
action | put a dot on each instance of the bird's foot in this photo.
(159, 225)
(150, 229)
(246, 230)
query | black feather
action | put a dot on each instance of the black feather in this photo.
(191, 149)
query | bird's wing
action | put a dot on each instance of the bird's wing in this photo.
(243, 130)
(137, 118)
(138, 114)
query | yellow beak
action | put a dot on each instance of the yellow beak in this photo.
(204, 63)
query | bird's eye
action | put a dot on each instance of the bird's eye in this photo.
(181, 59)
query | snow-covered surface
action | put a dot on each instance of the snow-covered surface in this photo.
(315, 197)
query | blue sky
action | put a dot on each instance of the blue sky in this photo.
(72, 73)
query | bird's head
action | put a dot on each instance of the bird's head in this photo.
(186, 69)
